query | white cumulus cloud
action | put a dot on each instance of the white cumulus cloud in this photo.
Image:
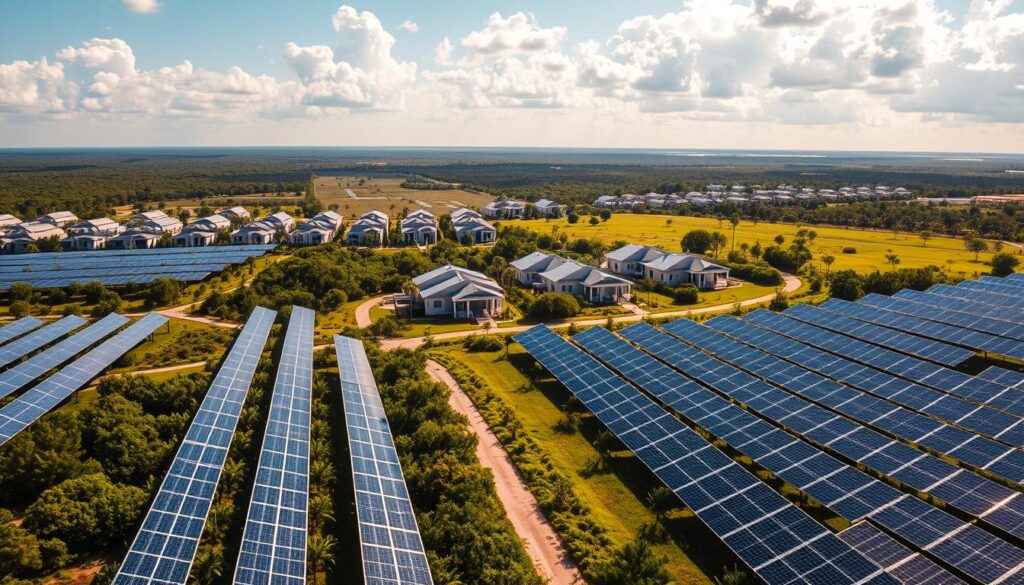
(410, 26)
(143, 6)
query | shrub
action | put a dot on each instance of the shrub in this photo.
(756, 273)
(20, 309)
(483, 343)
(849, 250)
(1004, 263)
(846, 285)
(555, 305)
(779, 303)
(685, 295)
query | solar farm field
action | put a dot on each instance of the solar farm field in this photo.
(871, 247)
(355, 195)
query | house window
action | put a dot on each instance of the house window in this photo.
(437, 304)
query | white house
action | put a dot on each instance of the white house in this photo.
(467, 222)
(238, 213)
(281, 221)
(142, 237)
(628, 260)
(8, 221)
(320, 229)
(459, 293)
(587, 282)
(28, 233)
(504, 209)
(371, 229)
(91, 234)
(530, 267)
(257, 232)
(157, 221)
(548, 208)
(58, 218)
(677, 269)
(420, 228)
(202, 232)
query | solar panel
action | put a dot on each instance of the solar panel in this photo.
(777, 540)
(1003, 376)
(25, 410)
(112, 279)
(918, 326)
(984, 297)
(165, 546)
(951, 407)
(1001, 294)
(972, 449)
(274, 541)
(927, 373)
(91, 274)
(104, 261)
(909, 567)
(25, 345)
(19, 327)
(18, 376)
(949, 315)
(391, 545)
(43, 257)
(997, 504)
(952, 303)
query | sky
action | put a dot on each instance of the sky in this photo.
(923, 75)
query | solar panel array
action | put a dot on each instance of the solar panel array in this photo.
(25, 345)
(17, 377)
(850, 494)
(26, 409)
(946, 302)
(899, 561)
(974, 296)
(60, 269)
(165, 546)
(392, 549)
(775, 539)
(274, 541)
(19, 327)
(901, 422)
(926, 373)
(949, 315)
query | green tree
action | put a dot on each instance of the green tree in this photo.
(696, 242)
(110, 302)
(19, 309)
(208, 565)
(779, 240)
(846, 285)
(735, 221)
(86, 512)
(827, 260)
(635, 563)
(1004, 263)
(892, 259)
(573, 217)
(321, 553)
(925, 235)
(976, 245)
(605, 215)
(162, 292)
(718, 241)
(594, 220)
(21, 291)
(19, 548)
(554, 306)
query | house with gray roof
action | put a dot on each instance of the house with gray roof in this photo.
(530, 267)
(548, 208)
(587, 282)
(504, 209)
(419, 228)
(677, 269)
(28, 233)
(156, 220)
(58, 218)
(319, 229)
(467, 222)
(371, 229)
(628, 260)
(459, 293)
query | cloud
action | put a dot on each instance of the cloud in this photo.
(517, 34)
(143, 6)
(443, 52)
(410, 26)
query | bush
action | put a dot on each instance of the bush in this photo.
(483, 343)
(388, 326)
(756, 273)
(696, 241)
(162, 292)
(1004, 263)
(846, 285)
(554, 305)
(685, 295)
(21, 292)
(109, 302)
(779, 303)
(849, 250)
(20, 309)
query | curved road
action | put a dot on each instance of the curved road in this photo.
(792, 283)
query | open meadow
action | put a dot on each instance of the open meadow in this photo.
(355, 195)
(871, 247)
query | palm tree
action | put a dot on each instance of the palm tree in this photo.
(893, 259)
(925, 235)
(321, 510)
(735, 221)
(219, 519)
(827, 260)
(208, 566)
(321, 553)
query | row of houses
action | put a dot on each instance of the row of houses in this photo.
(420, 228)
(742, 194)
(510, 209)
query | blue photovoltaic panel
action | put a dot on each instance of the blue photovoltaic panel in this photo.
(952, 406)
(936, 351)
(1003, 376)
(775, 539)
(129, 262)
(909, 567)
(25, 345)
(89, 275)
(997, 504)
(918, 326)
(952, 303)
(391, 545)
(165, 546)
(949, 316)
(972, 449)
(31, 369)
(43, 257)
(23, 325)
(274, 541)
(25, 410)
(978, 390)
(976, 292)
(1003, 294)
(114, 279)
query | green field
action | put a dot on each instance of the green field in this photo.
(871, 246)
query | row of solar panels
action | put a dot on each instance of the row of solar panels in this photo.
(111, 268)
(273, 549)
(831, 393)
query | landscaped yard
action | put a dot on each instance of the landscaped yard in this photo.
(659, 303)
(871, 246)
(616, 495)
(385, 193)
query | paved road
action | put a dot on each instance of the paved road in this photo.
(792, 283)
(546, 550)
(363, 312)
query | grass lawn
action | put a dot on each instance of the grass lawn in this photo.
(385, 193)
(871, 246)
(615, 495)
(663, 303)
(179, 341)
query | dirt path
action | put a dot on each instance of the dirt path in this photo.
(542, 543)
(792, 283)
(363, 312)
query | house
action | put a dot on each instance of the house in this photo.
(459, 293)
(504, 209)
(283, 222)
(136, 238)
(210, 223)
(470, 226)
(84, 241)
(369, 230)
(58, 218)
(530, 267)
(627, 260)
(156, 221)
(320, 229)
(233, 214)
(677, 269)
(8, 221)
(202, 232)
(548, 208)
(607, 201)
(28, 233)
(91, 234)
(257, 232)
(587, 282)
(420, 228)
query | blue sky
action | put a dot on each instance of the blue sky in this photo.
(925, 74)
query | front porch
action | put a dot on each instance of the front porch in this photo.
(473, 308)
(608, 294)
